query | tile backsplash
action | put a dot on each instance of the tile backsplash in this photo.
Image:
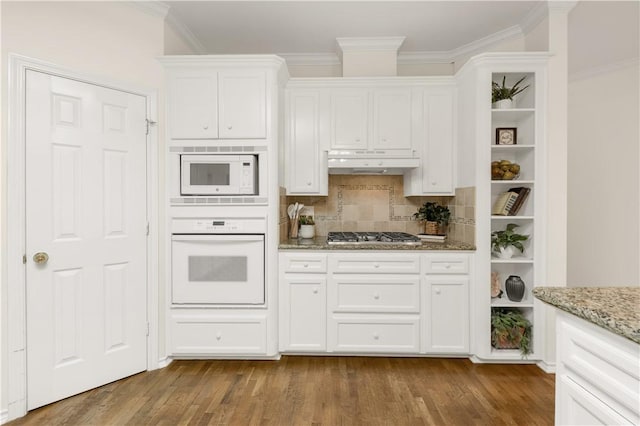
(376, 203)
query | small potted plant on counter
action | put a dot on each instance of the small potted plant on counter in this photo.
(510, 330)
(307, 227)
(504, 242)
(502, 96)
(435, 218)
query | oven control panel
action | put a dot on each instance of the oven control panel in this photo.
(219, 226)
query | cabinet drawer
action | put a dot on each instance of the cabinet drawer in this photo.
(374, 293)
(443, 264)
(205, 334)
(303, 262)
(362, 263)
(601, 362)
(375, 334)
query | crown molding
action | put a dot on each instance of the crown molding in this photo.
(561, 5)
(603, 69)
(419, 58)
(482, 44)
(311, 58)
(193, 41)
(369, 44)
(152, 7)
(535, 16)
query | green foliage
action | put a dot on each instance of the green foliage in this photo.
(511, 326)
(500, 92)
(306, 220)
(432, 212)
(507, 238)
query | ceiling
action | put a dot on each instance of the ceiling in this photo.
(305, 27)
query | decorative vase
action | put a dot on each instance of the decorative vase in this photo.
(505, 252)
(307, 231)
(431, 228)
(503, 104)
(515, 288)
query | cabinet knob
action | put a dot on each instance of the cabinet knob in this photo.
(447, 266)
(306, 265)
(384, 139)
(366, 164)
(357, 139)
(434, 182)
(205, 126)
(218, 336)
(315, 290)
(380, 163)
(437, 291)
(376, 336)
(229, 127)
(308, 183)
(376, 296)
(376, 265)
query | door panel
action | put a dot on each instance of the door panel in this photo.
(85, 208)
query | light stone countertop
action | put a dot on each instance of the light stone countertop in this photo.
(616, 309)
(320, 243)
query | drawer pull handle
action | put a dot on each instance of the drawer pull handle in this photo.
(306, 265)
(315, 290)
(447, 266)
(376, 296)
(218, 336)
(437, 291)
(377, 265)
(376, 336)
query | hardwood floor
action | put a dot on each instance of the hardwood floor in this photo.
(315, 391)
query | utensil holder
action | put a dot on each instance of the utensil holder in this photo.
(293, 230)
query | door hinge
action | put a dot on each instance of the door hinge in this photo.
(150, 123)
(148, 327)
(24, 259)
(147, 228)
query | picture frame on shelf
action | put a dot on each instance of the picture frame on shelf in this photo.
(506, 136)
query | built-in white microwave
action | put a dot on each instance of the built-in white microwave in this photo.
(218, 174)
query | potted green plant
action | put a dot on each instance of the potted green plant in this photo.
(307, 227)
(435, 218)
(502, 96)
(504, 242)
(510, 329)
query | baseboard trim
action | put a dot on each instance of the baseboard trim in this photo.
(163, 362)
(4, 416)
(547, 367)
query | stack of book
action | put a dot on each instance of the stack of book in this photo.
(510, 202)
(432, 238)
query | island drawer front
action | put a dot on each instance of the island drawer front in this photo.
(303, 262)
(604, 363)
(209, 334)
(445, 264)
(396, 263)
(374, 293)
(370, 335)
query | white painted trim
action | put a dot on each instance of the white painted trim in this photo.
(310, 58)
(418, 58)
(194, 43)
(603, 69)
(547, 367)
(535, 16)
(370, 44)
(484, 43)
(4, 416)
(164, 362)
(16, 239)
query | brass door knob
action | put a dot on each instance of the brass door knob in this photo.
(41, 257)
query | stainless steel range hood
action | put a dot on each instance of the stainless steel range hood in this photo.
(371, 165)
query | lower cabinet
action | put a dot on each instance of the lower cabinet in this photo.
(374, 302)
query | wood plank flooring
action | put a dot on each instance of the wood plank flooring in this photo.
(301, 390)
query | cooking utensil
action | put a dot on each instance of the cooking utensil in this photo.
(295, 211)
(291, 211)
(300, 206)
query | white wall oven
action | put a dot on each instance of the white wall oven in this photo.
(218, 261)
(218, 174)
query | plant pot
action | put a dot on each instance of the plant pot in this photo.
(307, 231)
(515, 288)
(505, 252)
(504, 104)
(435, 228)
(508, 339)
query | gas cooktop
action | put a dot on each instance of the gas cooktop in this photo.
(401, 238)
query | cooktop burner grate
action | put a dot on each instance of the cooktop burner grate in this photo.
(402, 238)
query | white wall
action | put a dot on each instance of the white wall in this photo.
(603, 182)
(112, 41)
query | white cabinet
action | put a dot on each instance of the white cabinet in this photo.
(305, 160)
(374, 334)
(598, 374)
(206, 104)
(446, 314)
(303, 302)
(373, 121)
(435, 175)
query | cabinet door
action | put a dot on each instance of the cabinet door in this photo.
(307, 167)
(242, 104)
(303, 309)
(194, 105)
(437, 154)
(446, 314)
(392, 120)
(349, 110)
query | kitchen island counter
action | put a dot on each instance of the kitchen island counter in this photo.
(616, 309)
(320, 243)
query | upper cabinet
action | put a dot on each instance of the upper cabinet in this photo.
(376, 121)
(207, 104)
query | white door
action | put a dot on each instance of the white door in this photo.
(86, 211)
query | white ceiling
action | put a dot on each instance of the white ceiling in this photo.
(304, 27)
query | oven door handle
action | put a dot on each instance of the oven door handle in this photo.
(218, 238)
